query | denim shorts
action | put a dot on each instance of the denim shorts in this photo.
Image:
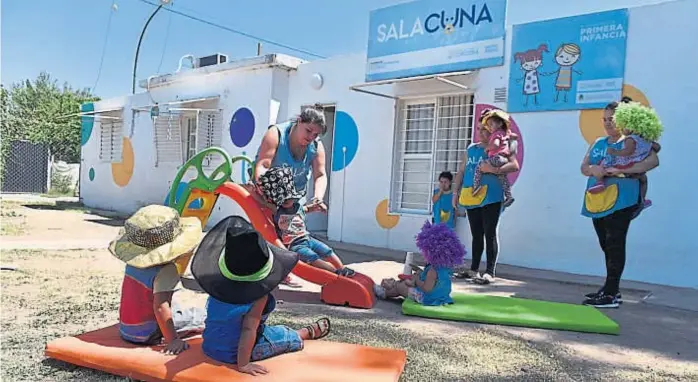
(310, 249)
(416, 295)
(275, 340)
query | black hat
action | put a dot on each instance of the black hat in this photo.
(277, 185)
(234, 264)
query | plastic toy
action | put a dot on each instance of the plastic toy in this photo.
(356, 291)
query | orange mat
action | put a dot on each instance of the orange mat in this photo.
(321, 360)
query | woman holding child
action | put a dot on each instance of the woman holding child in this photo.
(620, 199)
(485, 204)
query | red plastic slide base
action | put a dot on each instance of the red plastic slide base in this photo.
(355, 291)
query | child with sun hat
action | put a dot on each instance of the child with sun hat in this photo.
(156, 245)
(442, 251)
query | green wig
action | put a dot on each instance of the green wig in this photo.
(639, 119)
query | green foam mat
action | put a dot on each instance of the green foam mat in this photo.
(517, 312)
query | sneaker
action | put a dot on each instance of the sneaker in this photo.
(619, 296)
(484, 279)
(602, 301)
(468, 274)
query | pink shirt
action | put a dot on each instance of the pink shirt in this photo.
(502, 148)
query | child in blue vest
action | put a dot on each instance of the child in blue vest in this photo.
(239, 270)
(442, 251)
(156, 245)
(442, 210)
(278, 188)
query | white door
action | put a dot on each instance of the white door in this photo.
(317, 221)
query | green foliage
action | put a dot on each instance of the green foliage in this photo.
(639, 119)
(36, 111)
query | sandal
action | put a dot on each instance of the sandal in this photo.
(319, 324)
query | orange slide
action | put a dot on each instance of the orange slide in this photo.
(104, 350)
(356, 291)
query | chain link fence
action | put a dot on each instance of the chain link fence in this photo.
(30, 168)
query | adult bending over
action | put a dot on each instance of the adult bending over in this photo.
(483, 208)
(612, 210)
(295, 144)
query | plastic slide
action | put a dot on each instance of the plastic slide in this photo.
(356, 291)
(517, 312)
(323, 360)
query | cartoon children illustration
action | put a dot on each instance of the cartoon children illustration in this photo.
(531, 60)
(566, 56)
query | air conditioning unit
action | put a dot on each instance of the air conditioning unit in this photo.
(211, 60)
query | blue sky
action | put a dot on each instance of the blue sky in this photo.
(65, 37)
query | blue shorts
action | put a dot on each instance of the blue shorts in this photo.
(310, 249)
(275, 340)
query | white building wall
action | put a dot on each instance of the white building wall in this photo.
(544, 228)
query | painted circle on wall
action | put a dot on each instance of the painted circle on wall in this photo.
(123, 171)
(346, 135)
(591, 121)
(242, 127)
(383, 218)
(195, 204)
(514, 129)
(91, 174)
(86, 123)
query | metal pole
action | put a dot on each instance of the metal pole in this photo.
(138, 48)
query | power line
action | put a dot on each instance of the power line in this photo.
(104, 47)
(164, 46)
(169, 9)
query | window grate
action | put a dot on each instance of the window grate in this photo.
(180, 135)
(432, 136)
(111, 138)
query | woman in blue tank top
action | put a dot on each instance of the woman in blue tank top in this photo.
(612, 210)
(296, 144)
(484, 208)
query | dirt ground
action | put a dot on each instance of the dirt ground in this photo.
(55, 293)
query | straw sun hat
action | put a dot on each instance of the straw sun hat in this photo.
(155, 235)
(490, 113)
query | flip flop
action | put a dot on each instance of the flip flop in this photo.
(323, 332)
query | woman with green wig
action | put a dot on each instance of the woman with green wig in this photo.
(641, 128)
(617, 162)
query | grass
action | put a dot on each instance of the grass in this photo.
(63, 293)
(12, 222)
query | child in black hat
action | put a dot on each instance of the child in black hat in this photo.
(278, 188)
(239, 270)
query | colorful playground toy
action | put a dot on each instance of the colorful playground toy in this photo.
(356, 291)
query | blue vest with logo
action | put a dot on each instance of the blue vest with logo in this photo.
(476, 154)
(301, 168)
(443, 210)
(628, 190)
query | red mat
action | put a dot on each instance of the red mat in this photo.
(321, 360)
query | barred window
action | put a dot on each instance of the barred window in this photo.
(432, 135)
(180, 133)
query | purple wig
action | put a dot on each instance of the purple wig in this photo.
(440, 245)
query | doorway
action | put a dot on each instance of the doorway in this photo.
(317, 222)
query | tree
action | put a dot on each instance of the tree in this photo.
(42, 112)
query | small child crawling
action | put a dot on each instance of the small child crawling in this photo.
(443, 252)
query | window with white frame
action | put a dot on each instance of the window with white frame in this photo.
(111, 136)
(432, 135)
(180, 133)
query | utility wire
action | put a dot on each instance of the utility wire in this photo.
(164, 45)
(104, 46)
(270, 42)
